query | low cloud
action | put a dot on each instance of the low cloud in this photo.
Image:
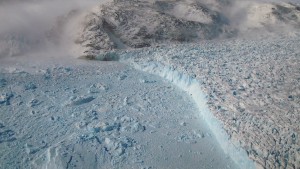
(25, 24)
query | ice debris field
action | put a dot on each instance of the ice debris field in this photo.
(251, 87)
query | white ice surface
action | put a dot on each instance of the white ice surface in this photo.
(193, 88)
(99, 115)
(92, 115)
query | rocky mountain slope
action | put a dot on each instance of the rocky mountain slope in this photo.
(137, 24)
(122, 24)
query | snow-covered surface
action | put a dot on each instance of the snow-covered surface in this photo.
(193, 88)
(62, 112)
(100, 115)
(251, 87)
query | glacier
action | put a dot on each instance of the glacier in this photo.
(192, 87)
